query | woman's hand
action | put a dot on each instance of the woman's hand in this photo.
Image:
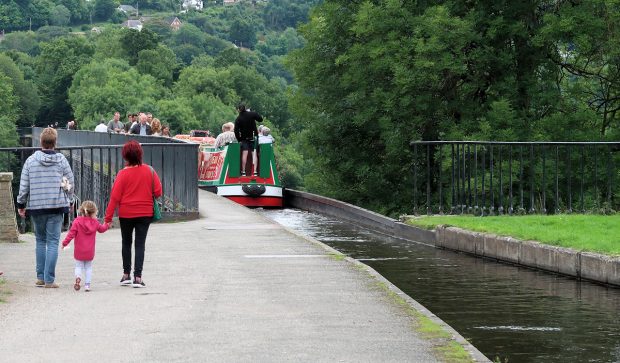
(22, 212)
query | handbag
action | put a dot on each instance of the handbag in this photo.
(156, 207)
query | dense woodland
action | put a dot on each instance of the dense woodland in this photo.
(345, 85)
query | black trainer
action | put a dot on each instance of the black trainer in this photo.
(137, 284)
(125, 281)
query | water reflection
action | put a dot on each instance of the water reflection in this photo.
(507, 312)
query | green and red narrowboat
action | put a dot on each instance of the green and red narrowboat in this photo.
(219, 171)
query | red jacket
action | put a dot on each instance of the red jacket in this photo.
(84, 230)
(133, 192)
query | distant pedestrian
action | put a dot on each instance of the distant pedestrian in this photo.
(165, 132)
(265, 137)
(84, 230)
(102, 127)
(115, 125)
(246, 133)
(45, 191)
(155, 127)
(132, 193)
(142, 127)
(227, 136)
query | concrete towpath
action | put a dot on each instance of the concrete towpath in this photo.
(229, 287)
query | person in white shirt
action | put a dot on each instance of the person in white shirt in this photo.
(227, 136)
(265, 137)
(102, 127)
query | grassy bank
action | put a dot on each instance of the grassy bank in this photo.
(594, 233)
(4, 290)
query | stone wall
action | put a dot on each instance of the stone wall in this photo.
(8, 222)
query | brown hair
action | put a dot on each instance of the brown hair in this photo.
(48, 138)
(88, 208)
(155, 125)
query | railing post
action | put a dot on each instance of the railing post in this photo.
(500, 209)
(582, 162)
(453, 199)
(428, 180)
(544, 180)
(569, 177)
(415, 179)
(491, 191)
(557, 187)
(484, 172)
(532, 187)
(521, 181)
(439, 172)
(475, 179)
(510, 208)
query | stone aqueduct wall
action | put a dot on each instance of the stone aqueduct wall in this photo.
(583, 265)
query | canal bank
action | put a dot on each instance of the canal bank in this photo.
(565, 261)
(229, 287)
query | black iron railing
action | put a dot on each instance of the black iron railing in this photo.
(96, 165)
(490, 178)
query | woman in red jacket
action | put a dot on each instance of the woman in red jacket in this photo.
(132, 193)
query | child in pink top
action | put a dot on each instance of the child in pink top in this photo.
(84, 229)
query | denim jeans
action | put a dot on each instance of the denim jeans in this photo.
(47, 233)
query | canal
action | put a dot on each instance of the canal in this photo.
(509, 313)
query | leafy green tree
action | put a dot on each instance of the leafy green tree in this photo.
(189, 34)
(133, 42)
(56, 66)
(22, 41)
(25, 91)
(104, 9)
(276, 43)
(9, 113)
(112, 84)
(178, 114)
(159, 63)
(49, 33)
(60, 15)
(243, 33)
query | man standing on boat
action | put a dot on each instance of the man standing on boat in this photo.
(246, 132)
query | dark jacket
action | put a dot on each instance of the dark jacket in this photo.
(245, 125)
(136, 129)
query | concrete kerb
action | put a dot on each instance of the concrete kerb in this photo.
(474, 353)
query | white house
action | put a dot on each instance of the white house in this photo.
(127, 9)
(133, 24)
(192, 4)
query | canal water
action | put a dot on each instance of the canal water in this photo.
(509, 313)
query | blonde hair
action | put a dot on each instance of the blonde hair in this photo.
(155, 125)
(229, 126)
(88, 208)
(48, 138)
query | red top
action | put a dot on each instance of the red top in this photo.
(133, 192)
(84, 230)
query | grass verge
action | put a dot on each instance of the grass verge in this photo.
(446, 349)
(594, 233)
(4, 291)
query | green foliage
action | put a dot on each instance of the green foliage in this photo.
(21, 41)
(111, 85)
(56, 66)
(9, 113)
(159, 63)
(133, 42)
(177, 113)
(104, 9)
(25, 91)
(60, 15)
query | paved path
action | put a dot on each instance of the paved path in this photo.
(230, 287)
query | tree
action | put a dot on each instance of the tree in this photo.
(159, 63)
(104, 9)
(60, 15)
(112, 84)
(133, 42)
(58, 63)
(21, 41)
(243, 33)
(9, 113)
(178, 114)
(25, 91)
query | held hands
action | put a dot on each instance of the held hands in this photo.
(22, 212)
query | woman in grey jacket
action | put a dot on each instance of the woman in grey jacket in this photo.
(45, 196)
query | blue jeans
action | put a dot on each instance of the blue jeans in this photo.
(47, 233)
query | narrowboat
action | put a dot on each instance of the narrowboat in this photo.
(219, 171)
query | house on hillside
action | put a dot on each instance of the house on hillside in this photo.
(173, 22)
(127, 9)
(146, 19)
(192, 4)
(133, 24)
